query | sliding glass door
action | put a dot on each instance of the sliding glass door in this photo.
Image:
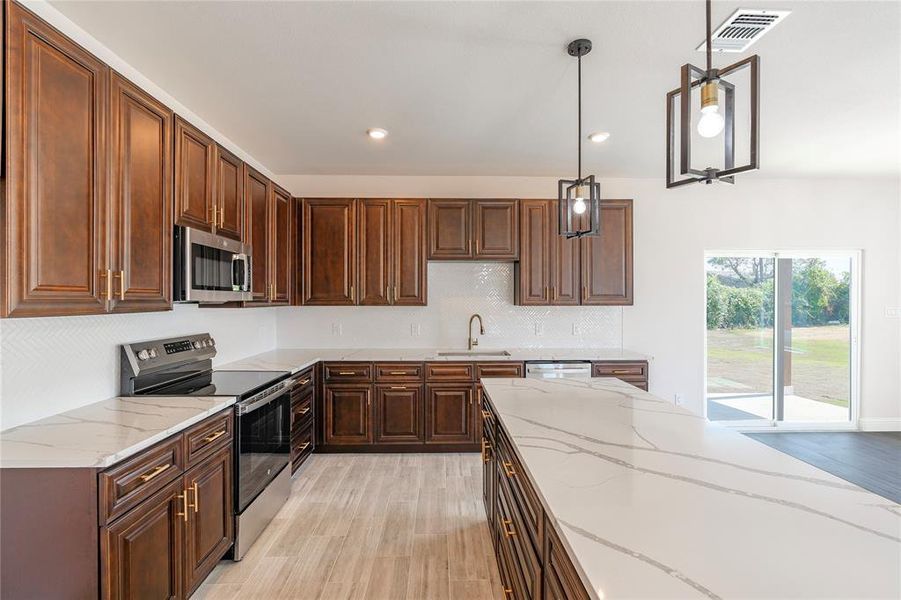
(780, 333)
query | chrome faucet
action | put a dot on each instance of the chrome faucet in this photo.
(474, 341)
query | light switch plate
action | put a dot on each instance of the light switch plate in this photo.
(577, 329)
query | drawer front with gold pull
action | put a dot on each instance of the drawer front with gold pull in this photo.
(301, 412)
(304, 383)
(208, 435)
(302, 446)
(387, 372)
(624, 370)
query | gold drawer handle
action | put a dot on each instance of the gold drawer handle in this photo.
(621, 372)
(486, 414)
(508, 532)
(486, 446)
(153, 473)
(398, 387)
(508, 592)
(508, 469)
(304, 411)
(398, 373)
(214, 436)
(304, 447)
(303, 382)
(347, 372)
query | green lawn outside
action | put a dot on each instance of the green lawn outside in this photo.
(740, 361)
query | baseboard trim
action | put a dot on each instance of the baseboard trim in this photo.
(879, 424)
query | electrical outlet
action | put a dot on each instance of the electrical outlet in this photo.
(415, 329)
(337, 329)
(539, 328)
(678, 399)
(893, 312)
(577, 329)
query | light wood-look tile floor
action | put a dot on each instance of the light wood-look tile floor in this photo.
(372, 526)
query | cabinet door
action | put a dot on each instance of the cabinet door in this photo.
(346, 412)
(141, 199)
(229, 194)
(410, 280)
(496, 229)
(607, 260)
(329, 251)
(375, 251)
(56, 161)
(195, 163)
(449, 413)
(257, 229)
(449, 229)
(281, 245)
(534, 267)
(142, 553)
(209, 531)
(398, 414)
(566, 266)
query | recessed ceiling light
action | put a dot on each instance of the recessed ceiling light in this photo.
(377, 133)
(598, 136)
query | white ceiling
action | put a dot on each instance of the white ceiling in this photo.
(479, 88)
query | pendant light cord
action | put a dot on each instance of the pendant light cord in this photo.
(579, 136)
(709, 40)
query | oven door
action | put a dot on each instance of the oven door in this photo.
(210, 268)
(263, 445)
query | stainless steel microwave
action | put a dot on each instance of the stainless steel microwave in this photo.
(210, 268)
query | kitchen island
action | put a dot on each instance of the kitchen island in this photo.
(643, 499)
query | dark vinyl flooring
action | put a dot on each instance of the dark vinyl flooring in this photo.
(871, 460)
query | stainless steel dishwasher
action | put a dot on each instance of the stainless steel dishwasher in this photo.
(576, 369)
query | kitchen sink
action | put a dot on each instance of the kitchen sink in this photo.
(475, 353)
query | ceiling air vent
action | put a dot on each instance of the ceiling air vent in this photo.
(743, 28)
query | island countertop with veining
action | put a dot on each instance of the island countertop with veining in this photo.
(652, 501)
(103, 433)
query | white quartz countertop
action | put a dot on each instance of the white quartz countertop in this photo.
(297, 359)
(654, 502)
(103, 433)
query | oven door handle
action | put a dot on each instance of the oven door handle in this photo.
(244, 409)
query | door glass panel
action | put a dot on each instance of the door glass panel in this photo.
(740, 335)
(816, 338)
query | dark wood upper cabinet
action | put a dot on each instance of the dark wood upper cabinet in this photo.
(398, 414)
(347, 412)
(607, 259)
(140, 139)
(375, 251)
(566, 264)
(449, 413)
(195, 167)
(495, 226)
(54, 173)
(329, 251)
(209, 530)
(449, 229)
(257, 231)
(532, 274)
(410, 268)
(281, 245)
(143, 552)
(229, 194)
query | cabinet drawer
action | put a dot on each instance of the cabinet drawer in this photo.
(524, 566)
(126, 485)
(203, 438)
(501, 369)
(561, 581)
(301, 447)
(301, 412)
(347, 372)
(398, 372)
(522, 496)
(303, 383)
(449, 371)
(637, 370)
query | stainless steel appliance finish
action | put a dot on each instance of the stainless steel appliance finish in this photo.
(559, 370)
(251, 523)
(210, 268)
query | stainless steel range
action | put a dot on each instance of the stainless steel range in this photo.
(183, 366)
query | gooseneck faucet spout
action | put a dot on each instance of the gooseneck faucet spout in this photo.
(472, 340)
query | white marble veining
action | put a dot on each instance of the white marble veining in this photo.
(103, 433)
(654, 502)
(297, 359)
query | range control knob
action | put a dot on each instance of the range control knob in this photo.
(143, 354)
(212, 342)
(198, 345)
(153, 353)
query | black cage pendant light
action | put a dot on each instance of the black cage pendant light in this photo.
(579, 199)
(713, 85)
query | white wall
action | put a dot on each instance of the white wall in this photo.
(54, 364)
(673, 229)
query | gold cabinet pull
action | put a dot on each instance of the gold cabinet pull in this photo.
(621, 372)
(184, 504)
(486, 446)
(486, 414)
(508, 592)
(397, 373)
(121, 285)
(394, 295)
(508, 469)
(304, 447)
(221, 217)
(214, 436)
(303, 381)
(213, 210)
(154, 472)
(547, 293)
(507, 526)
(347, 372)
(196, 497)
(398, 387)
(107, 291)
(304, 411)
(554, 293)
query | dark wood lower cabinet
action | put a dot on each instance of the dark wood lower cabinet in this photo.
(211, 522)
(449, 413)
(532, 562)
(398, 413)
(346, 415)
(143, 552)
